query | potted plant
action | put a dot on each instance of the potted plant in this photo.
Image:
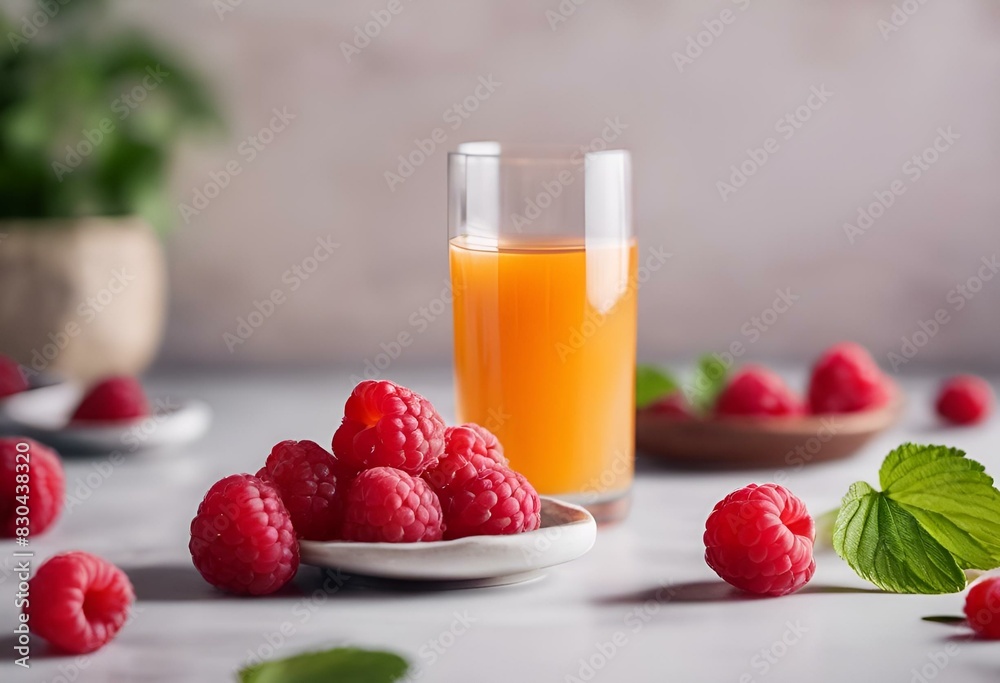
(88, 125)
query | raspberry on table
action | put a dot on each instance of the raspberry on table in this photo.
(757, 391)
(982, 607)
(386, 425)
(242, 539)
(760, 539)
(12, 381)
(965, 400)
(388, 505)
(310, 484)
(111, 399)
(497, 501)
(78, 601)
(31, 475)
(846, 379)
(468, 450)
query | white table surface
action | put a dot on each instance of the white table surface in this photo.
(644, 586)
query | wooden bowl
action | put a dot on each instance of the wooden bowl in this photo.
(739, 442)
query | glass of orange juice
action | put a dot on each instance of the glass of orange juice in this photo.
(543, 269)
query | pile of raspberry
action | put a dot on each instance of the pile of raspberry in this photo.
(845, 379)
(397, 474)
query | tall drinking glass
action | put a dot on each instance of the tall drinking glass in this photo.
(543, 269)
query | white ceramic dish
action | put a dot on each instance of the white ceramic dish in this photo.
(567, 532)
(44, 414)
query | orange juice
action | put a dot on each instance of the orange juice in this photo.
(545, 342)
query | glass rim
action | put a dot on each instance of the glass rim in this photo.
(522, 153)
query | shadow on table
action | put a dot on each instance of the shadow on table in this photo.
(39, 650)
(170, 583)
(710, 591)
(180, 583)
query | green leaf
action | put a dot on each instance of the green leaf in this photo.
(342, 664)
(945, 619)
(938, 514)
(709, 381)
(886, 545)
(652, 383)
(951, 496)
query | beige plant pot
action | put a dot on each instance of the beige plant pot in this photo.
(81, 298)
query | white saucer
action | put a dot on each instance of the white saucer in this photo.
(567, 532)
(44, 414)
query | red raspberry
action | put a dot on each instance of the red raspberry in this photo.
(846, 379)
(673, 405)
(965, 400)
(386, 425)
(12, 381)
(308, 480)
(242, 539)
(468, 450)
(760, 539)
(388, 505)
(78, 601)
(982, 607)
(114, 398)
(754, 391)
(497, 501)
(494, 449)
(31, 475)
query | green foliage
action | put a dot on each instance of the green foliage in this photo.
(938, 514)
(343, 664)
(652, 383)
(89, 121)
(709, 381)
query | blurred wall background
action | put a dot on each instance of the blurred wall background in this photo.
(689, 86)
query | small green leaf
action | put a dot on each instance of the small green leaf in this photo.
(652, 383)
(708, 383)
(945, 619)
(342, 664)
(886, 545)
